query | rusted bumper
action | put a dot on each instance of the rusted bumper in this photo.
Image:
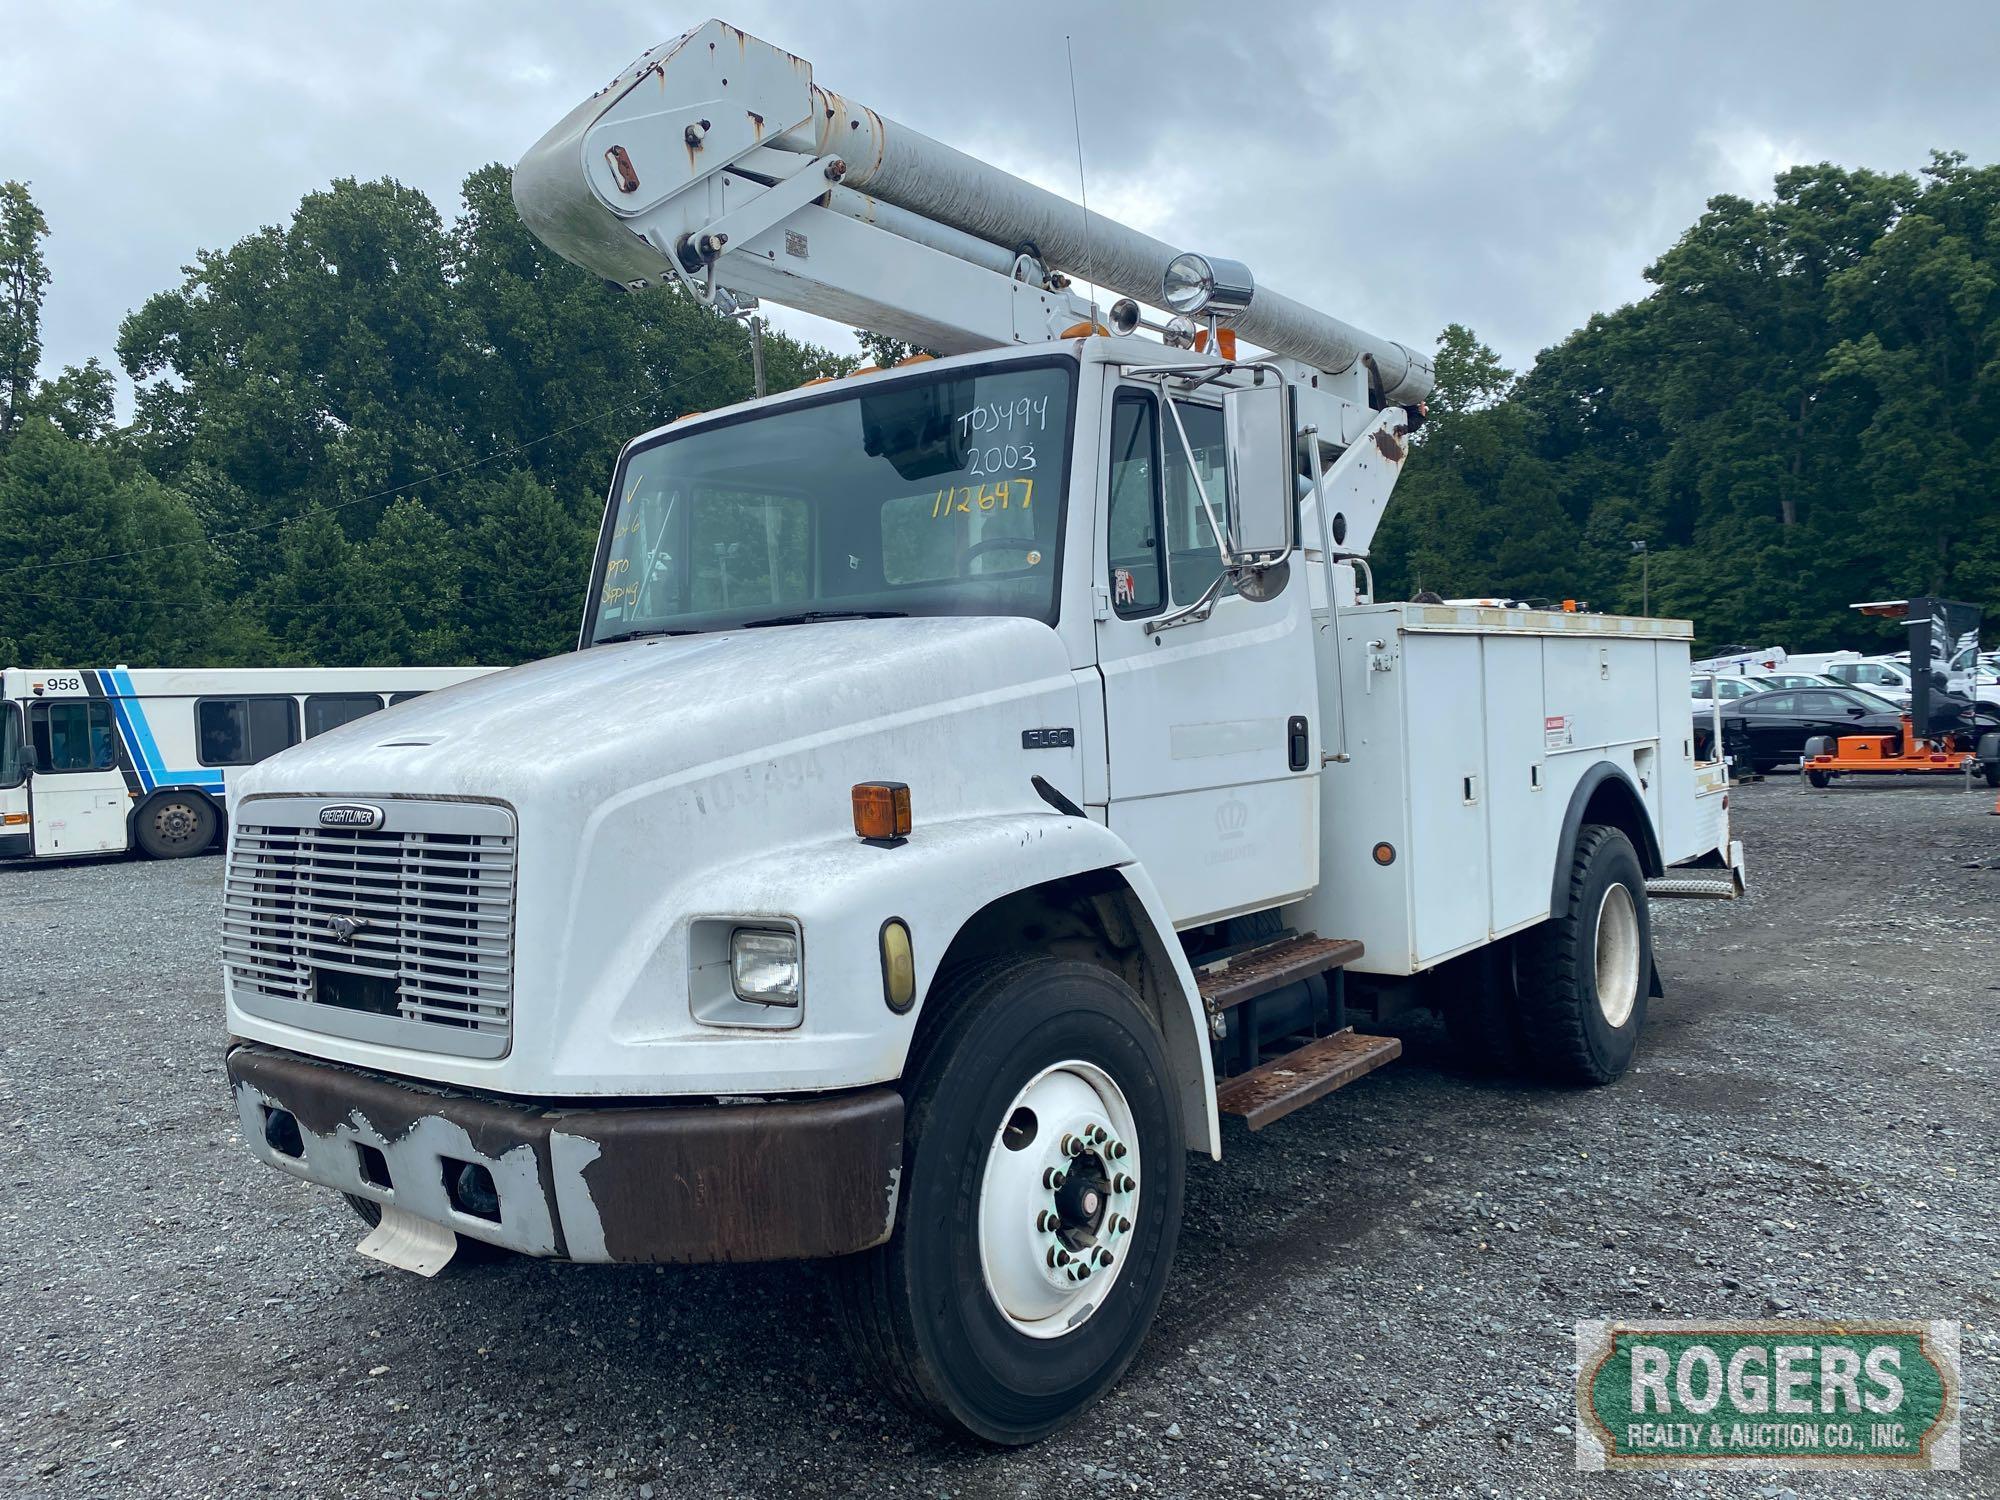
(792, 1180)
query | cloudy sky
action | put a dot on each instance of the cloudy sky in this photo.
(1510, 166)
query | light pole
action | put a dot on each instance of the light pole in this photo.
(1645, 578)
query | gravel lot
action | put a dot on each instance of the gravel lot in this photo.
(1375, 1295)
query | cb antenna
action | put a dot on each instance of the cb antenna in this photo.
(1083, 192)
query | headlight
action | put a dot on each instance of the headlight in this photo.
(764, 966)
(1203, 283)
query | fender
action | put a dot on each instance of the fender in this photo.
(1615, 784)
(842, 891)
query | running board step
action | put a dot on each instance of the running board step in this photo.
(1704, 882)
(1245, 976)
(1276, 1088)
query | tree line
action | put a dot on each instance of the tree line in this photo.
(1803, 413)
(372, 435)
(369, 436)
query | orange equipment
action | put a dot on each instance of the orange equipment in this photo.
(1903, 754)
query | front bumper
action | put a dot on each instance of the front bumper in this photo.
(680, 1183)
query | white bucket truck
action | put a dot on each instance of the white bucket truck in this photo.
(974, 780)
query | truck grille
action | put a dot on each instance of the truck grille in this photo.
(401, 933)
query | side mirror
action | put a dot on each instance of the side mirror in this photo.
(1263, 496)
(1856, 713)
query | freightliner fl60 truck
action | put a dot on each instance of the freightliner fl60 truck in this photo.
(973, 782)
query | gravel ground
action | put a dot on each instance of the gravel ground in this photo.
(1375, 1295)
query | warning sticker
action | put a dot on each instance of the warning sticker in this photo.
(1556, 732)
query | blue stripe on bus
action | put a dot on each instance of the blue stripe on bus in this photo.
(152, 770)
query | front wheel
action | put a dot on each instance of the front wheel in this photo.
(1585, 975)
(1044, 1162)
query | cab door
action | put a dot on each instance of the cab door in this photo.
(77, 796)
(1211, 726)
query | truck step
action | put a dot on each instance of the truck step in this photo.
(1719, 885)
(1276, 1088)
(1245, 976)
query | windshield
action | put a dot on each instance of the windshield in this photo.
(927, 496)
(13, 766)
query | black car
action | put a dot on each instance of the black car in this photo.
(1766, 730)
(1775, 726)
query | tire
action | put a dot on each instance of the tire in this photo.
(1820, 778)
(1583, 1005)
(1763, 767)
(1819, 744)
(365, 1209)
(922, 1314)
(1482, 1012)
(174, 825)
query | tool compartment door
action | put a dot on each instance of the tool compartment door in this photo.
(1451, 862)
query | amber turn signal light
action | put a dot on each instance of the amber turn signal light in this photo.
(882, 811)
(1385, 854)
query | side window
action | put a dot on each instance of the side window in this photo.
(240, 731)
(1132, 523)
(1771, 703)
(395, 698)
(72, 735)
(1193, 553)
(1821, 703)
(1701, 687)
(326, 711)
(13, 764)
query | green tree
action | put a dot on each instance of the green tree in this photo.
(24, 280)
(524, 571)
(110, 562)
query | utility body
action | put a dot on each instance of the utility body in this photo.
(975, 781)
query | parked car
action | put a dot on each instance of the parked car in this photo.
(1885, 679)
(1771, 729)
(1704, 690)
(1792, 680)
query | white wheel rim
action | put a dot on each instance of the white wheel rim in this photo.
(1617, 955)
(1056, 1209)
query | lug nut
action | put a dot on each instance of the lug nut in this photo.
(1103, 1256)
(1124, 1226)
(1051, 1178)
(1046, 1221)
(1083, 1273)
(1071, 1146)
(1125, 1184)
(1118, 1151)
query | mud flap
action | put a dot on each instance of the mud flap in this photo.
(409, 1243)
(1654, 989)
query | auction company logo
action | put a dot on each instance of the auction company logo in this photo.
(1767, 1395)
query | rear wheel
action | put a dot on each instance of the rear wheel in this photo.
(1044, 1162)
(1820, 778)
(1584, 976)
(174, 825)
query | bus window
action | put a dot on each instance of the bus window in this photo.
(240, 731)
(326, 711)
(73, 735)
(13, 765)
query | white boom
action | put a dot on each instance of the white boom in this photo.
(714, 160)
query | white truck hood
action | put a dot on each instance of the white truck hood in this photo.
(614, 717)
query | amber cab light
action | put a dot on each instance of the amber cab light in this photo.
(882, 811)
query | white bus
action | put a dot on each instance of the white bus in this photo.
(98, 760)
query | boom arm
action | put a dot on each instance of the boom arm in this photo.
(715, 161)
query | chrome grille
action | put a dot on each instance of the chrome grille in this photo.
(404, 927)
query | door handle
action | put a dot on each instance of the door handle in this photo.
(1296, 739)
